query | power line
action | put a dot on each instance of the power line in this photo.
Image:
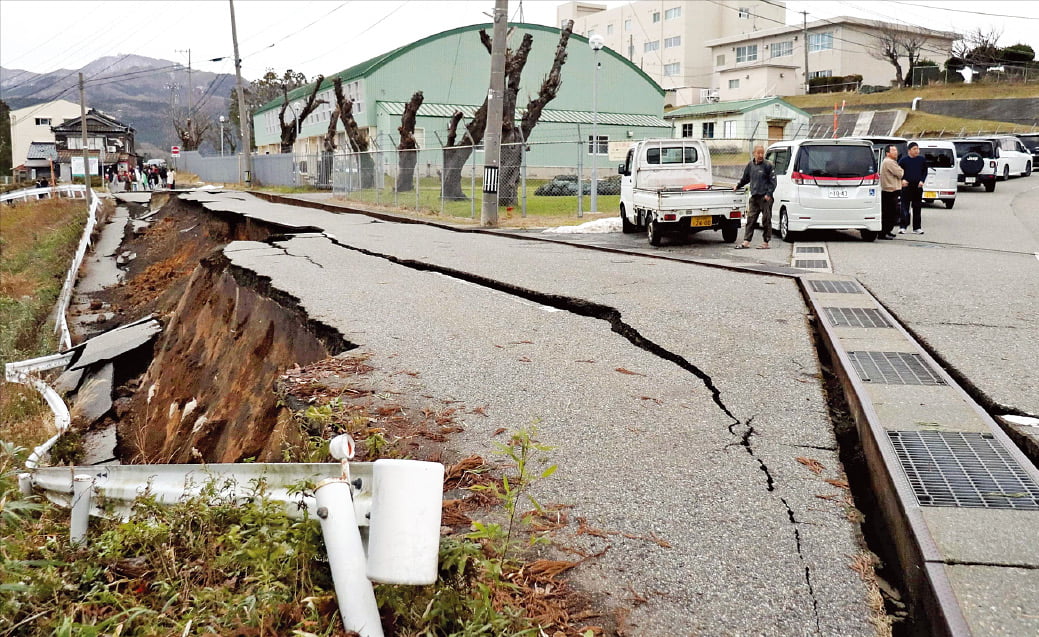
(946, 8)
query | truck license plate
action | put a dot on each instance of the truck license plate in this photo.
(698, 222)
(836, 193)
(930, 194)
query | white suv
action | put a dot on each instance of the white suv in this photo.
(1013, 158)
(825, 184)
(940, 184)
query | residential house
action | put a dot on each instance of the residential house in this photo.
(772, 61)
(451, 69)
(739, 125)
(33, 124)
(666, 38)
(109, 142)
(41, 163)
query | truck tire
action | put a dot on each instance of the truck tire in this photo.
(949, 203)
(784, 228)
(626, 226)
(730, 232)
(653, 232)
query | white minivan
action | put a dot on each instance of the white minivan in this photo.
(940, 184)
(825, 184)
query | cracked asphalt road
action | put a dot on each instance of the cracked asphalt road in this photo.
(678, 399)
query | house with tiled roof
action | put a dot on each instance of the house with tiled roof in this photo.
(108, 140)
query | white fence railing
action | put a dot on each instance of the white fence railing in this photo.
(69, 190)
(61, 324)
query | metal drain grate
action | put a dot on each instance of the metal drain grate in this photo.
(811, 263)
(835, 287)
(811, 250)
(893, 368)
(856, 317)
(963, 470)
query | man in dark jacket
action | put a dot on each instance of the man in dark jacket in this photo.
(914, 173)
(762, 179)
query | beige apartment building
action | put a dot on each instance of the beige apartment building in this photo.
(33, 124)
(666, 38)
(772, 61)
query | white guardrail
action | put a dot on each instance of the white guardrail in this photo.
(72, 191)
(61, 324)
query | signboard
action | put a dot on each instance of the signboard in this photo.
(77, 166)
(175, 150)
(617, 151)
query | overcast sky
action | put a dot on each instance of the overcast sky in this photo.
(326, 36)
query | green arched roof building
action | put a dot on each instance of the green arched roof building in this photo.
(452, 69)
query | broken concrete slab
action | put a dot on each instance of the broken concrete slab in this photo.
(114, 343)
(68, 381)
(94, 399)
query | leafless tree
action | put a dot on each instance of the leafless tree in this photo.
(191, 131)
(979, 46)
(357, 138)
(892, 44)
(457, 150)
(407, 149)
(289, 129)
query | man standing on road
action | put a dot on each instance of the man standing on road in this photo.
(762, 179)
(890, 185)
(914, 169)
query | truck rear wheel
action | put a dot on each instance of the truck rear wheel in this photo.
(653, 232)
(626, 226)
(730, 231)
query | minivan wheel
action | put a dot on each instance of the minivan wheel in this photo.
(1028, 169)
(868, 235)
(784, 227)
(626, 226)
(990, 185)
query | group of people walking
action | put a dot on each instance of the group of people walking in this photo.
(901, 189)
(150, 177)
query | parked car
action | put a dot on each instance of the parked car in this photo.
(1031, 142)
(566, 185)
(825, 184)
(940, 184)
(1013, 158)
(976, 163)
(880, 143)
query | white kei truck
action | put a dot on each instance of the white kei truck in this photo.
(667, 187)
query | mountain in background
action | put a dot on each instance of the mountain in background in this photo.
(134, 89)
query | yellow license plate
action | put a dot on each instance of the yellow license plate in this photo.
(698, 222)
(930, 194)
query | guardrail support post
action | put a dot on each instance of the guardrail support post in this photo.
(335, 509)
(82, 487)
(404, 530)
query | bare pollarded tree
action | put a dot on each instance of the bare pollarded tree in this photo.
(893, 44)
(459, 148)
(290, 129)
(355, 137)
(407, 149)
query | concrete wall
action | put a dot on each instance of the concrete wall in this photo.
(1023, 111)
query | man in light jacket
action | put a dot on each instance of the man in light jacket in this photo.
(890, 187)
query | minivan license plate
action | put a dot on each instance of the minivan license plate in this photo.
(836, 193)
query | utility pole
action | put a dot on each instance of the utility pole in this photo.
(190, 90)
(243, 115)
(804, 38)
(495, 108)
(83, 131)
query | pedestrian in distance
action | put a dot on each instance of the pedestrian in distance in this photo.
(762, 179)
(890, 187)
(171, 179)
(914, 169)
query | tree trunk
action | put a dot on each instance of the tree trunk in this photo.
(357, 138)
(408, 147)
(288, 130)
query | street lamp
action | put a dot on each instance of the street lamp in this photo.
(295, 116)
(222, 120)
(596, 42)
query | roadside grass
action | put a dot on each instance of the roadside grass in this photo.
(920, 124)
(958, 91)
(37, 241)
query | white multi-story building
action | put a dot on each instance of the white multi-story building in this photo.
(772, 61)
(33, 124)
(666, 38)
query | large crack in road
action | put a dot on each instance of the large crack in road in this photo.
(614, 317)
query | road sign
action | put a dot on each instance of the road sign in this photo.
(175, 150)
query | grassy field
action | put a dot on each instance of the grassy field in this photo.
(906, 95)
(919, 124)
(37, 241)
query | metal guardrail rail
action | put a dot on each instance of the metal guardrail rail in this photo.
(72, 191)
